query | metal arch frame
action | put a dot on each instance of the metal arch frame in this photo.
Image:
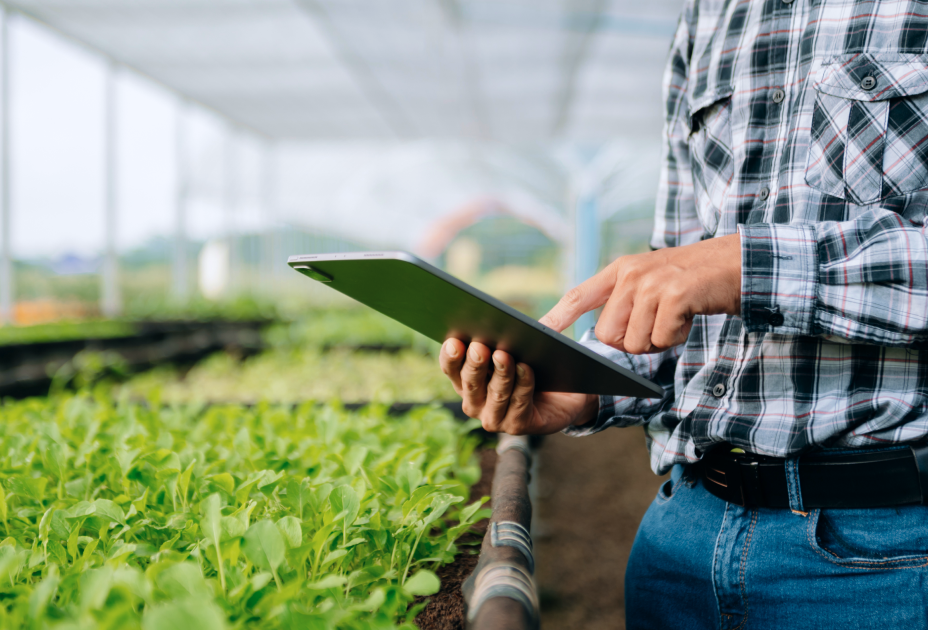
(572, 62)
(471, 79)
(6, 255)
(180, 282)
(389, 109)
(110, 303)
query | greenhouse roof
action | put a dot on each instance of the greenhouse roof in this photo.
(514, 71)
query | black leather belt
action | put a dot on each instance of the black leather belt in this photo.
(854, 479)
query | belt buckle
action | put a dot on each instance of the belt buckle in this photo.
(731, 481)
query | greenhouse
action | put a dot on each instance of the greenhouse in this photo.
(192, 434)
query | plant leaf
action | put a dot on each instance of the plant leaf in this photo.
(80, 510)
(422, 582)
(211, 518)
(95, 586)
(184, 613)
(329, 581)
(42, 595)
(107, 509)
(291, 531)
(224, 482)
(183, 579)
(345, 499)
(264, 545)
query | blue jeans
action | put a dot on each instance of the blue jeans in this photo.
(699, 562)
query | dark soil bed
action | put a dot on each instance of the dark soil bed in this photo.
(591, 495)
(445, 610)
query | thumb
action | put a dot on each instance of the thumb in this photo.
(583, 298)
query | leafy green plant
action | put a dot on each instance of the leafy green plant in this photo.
(122, 515)
(236, 308)
(345, 327)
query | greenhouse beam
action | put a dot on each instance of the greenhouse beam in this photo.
(268, 199)
(6, 255)
(231, 204)
(586, 245)
(109, 299)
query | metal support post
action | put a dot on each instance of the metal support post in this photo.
(6, 254)
(268, 202)
(230, 208)
(586, 250)
(110, 302)
(179, 278)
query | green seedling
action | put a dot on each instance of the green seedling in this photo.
(118, 515)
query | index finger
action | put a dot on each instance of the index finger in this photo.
(583, 298)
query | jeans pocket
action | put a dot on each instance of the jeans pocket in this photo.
(665, 492)
(873, 538)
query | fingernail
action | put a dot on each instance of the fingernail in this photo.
(451, 350)
(475, 356)
(520, 371)
(498, 364)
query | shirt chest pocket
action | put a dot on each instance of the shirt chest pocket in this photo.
(712, 162)
(869, 131)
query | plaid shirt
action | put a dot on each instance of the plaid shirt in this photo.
(803, 125)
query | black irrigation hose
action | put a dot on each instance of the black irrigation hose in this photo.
(501, 592)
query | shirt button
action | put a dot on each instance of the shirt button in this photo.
(868, 82)
(778, 95)
(719, 390)
(775, 319)
(764, 193)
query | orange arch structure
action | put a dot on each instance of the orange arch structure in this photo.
(440, 234)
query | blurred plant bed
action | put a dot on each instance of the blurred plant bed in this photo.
(347, 329)
(66, 331)
(297, 374)
(237, 308)
(27, 368)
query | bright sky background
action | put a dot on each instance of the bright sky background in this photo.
(57, 92)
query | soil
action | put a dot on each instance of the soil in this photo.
(590, 496)
(445, 609)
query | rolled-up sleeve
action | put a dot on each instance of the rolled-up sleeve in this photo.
(864, 280)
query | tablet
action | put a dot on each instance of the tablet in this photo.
(440, 306)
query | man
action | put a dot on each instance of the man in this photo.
(785, 313)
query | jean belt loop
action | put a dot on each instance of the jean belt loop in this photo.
(792, 484)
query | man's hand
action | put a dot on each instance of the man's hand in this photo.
(651, 298)
(503, 396)
(650, 303)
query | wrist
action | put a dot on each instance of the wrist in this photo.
(732, 261)
(588, 412)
